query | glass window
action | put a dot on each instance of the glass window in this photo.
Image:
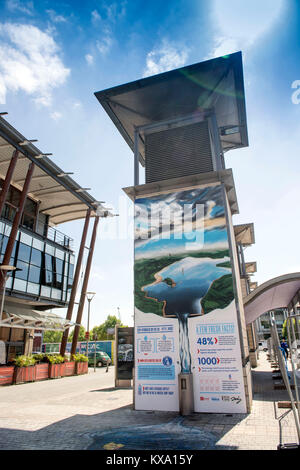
(28, 221)
(7, 230)
(14, 196)
(4, 244)
(20, 285)
(45, 291)
(25, 238)
(36, 257)
(38, 244)
(58, 281)
(23, 273)
(59, 254)
(24, 252)
(30, 207)
(9, 282)
(56, 294)
(49, 249)
(66, 268)
(59, 264)
(33, 288)
(71, 270)
(8, 212)
(34, 274)
(48, 278)
(48, 262)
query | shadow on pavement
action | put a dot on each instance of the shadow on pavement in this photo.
(129, 429)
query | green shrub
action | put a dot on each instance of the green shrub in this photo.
(40, 358)
(55, 359)
(79, 358)
(24, 361)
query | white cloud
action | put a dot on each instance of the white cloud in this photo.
(104, 45)
(23, 7)
(89, 59)
(29, 62)
(56, 115)
(239, 25)
(95, 16)
(164, 58)
(55, 17)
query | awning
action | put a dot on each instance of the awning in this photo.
(278, 292)
(215, 84)
(33, 320)
(59, 196)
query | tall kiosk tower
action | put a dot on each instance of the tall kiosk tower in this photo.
(191, 350)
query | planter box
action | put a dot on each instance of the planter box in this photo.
(70, 368)
(81, 368)
(42, 371)
(24, 374)
(56, 370)
(6, 375)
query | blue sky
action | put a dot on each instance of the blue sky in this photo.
(55, 55)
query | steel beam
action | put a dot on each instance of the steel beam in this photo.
(84, 286)
(75, 281)
(17, 220)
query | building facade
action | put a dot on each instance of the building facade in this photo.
(37, 261)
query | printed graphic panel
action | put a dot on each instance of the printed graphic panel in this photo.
(183, 280)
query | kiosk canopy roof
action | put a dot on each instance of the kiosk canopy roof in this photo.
(215, 84)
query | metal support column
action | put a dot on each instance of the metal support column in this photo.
(75, 281)
(8, 178)
(136, 158)
(84, 286)
(17, 219)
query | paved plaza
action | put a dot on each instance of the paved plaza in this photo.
(87, 412)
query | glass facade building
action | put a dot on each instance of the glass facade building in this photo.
(44, 267)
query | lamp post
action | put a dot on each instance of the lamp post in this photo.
(89, 296)
(5, 270)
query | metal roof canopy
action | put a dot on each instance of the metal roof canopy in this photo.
(279, 292)
(61, 198)
(215, 84)
(244, 234)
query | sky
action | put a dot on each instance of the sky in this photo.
(55, 54)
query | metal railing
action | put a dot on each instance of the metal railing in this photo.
(44, 233)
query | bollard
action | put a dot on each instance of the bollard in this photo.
(186, 394)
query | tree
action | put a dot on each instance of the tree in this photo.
(50, 336)
(101, 330)
(81, 335)
(285, 331)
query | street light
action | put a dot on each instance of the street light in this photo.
(89, 296)
(5, 270)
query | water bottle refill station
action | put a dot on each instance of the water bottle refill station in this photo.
(191, 352)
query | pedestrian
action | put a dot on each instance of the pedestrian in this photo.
(284, 346)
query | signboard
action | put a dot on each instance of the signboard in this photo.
(185, 310)
(125, 354)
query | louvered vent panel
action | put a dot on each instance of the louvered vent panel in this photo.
(176, 152)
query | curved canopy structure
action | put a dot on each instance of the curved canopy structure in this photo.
(279, 292)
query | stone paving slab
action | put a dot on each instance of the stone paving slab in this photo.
(69, 414)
